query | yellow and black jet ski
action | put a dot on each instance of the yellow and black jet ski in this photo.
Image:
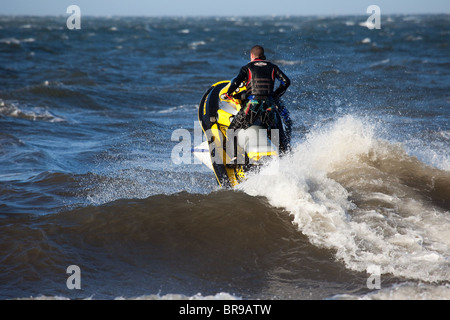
(252, 147)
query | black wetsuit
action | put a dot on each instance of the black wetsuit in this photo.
(259, 77)
(262, 101)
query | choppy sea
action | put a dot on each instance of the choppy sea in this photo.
(89, 120)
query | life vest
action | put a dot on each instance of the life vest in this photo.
(261, 78)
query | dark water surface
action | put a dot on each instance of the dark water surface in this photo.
(89, 119)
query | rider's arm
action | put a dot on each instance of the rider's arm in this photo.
(236, 82)
(284, 83)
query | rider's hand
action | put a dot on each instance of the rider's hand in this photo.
(226, 96)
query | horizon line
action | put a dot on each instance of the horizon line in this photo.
(216, 15)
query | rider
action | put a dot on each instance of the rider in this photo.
(259, 77)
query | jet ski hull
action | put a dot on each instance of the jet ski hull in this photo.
(251, 148)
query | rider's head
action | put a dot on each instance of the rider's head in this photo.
(257, 52)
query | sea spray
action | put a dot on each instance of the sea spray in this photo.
(307, 184)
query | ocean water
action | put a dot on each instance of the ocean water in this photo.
(89, 120)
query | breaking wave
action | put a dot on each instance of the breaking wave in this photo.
(365, 199)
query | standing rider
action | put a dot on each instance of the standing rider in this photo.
(259, 77)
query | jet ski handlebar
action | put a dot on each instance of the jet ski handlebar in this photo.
(239, 96)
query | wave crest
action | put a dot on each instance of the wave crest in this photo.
(365, 199)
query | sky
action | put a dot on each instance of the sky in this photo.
(220, 8)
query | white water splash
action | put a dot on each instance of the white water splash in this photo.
(406, 238)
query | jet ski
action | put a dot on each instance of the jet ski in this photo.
(231, 155)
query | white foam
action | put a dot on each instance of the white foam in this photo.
(321, 207)
(434, 154)
(15, 41)
(375, 64)
(289, 62)
(222, 296)
(10, 41)
(13, 109)
(198, 296)
(363, 24)
(177, 108)
(194, 45)
(404, 291)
